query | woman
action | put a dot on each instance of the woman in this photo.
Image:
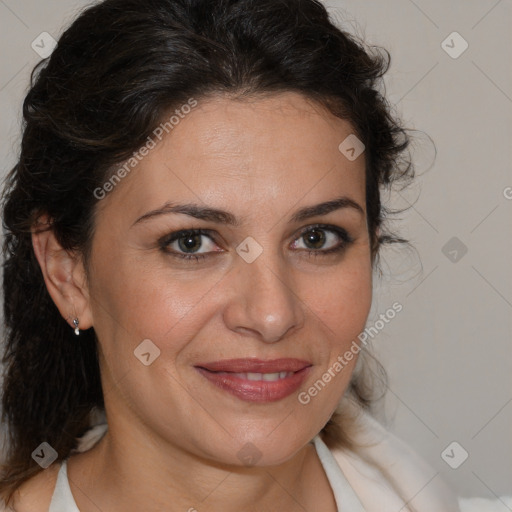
(191, 232)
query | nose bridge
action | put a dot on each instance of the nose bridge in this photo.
(265, 301)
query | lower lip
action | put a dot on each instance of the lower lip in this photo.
(257, 391)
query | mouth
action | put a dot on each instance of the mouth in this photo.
(255, 380)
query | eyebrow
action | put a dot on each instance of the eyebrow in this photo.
(224, 217)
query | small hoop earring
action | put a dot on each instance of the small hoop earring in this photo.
(75, 323)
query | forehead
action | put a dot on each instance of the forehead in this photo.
(282, 148)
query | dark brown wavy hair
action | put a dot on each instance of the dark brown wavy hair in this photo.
(116, 72)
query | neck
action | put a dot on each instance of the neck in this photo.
(125, 471)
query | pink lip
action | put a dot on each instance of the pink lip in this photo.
(218, 373)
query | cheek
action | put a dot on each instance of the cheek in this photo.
(342, 303)
(144, 301)
(341, 309)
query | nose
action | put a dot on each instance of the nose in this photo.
(264, 303)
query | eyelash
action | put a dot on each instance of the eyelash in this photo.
(346, 240)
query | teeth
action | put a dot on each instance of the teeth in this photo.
(267, 377)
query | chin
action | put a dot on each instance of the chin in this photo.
(259, 448)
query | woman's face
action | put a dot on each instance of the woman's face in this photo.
(259, 284)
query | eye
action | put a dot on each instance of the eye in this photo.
(317, 240)
(323, 239)
(186, 244)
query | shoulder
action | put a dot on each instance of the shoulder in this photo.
(386, 469)
(35, 495)
(386, 473)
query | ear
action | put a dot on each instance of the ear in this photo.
(64, 275)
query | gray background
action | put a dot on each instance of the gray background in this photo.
(448, 353)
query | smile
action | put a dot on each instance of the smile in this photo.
(274, 381)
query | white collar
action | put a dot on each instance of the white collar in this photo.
(346, 498)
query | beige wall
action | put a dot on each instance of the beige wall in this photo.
(448, 353)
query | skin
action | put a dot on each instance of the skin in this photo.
(174, 437)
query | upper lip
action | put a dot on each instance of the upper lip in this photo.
(254, 365)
